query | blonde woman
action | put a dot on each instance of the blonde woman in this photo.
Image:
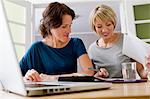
(106, 52)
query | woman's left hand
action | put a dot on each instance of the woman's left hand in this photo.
(148, 62)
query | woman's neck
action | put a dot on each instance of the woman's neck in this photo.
(53, 42)
(106, 43)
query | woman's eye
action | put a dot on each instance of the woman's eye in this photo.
(99, 26)
(70, 26)
(108, 24)
(64, 26)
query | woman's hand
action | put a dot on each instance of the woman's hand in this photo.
(102, 73)
(148, 62)
(148, 67)
(32, 75)
(45, 77)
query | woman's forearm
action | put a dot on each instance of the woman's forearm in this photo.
(45, 77)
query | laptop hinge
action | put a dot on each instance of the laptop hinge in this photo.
(3, 88)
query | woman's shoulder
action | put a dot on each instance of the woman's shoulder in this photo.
(35, 45)
(119, 34)
(76, 40)
(93, 45)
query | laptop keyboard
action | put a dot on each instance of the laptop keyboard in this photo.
(39, 85)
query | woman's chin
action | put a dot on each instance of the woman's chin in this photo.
(106, 37)
(66, 39)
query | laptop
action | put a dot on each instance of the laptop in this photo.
(11, 77)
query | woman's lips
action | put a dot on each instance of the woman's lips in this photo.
(105, 34)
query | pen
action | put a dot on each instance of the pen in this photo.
(93, 69)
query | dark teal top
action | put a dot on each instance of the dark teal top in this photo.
(53, 61)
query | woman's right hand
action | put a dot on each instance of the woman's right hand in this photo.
(102, 73)
(32, 75)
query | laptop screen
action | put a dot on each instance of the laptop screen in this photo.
(10, 74)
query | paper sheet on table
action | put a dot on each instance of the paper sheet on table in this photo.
(135, 48)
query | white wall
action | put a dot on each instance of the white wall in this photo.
(82, 9)
(87, 38)
(47, 1)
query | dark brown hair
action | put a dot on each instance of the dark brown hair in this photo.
(52, 17)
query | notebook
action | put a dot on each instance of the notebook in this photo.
(11, 76)
(135, 48)
(121, 80)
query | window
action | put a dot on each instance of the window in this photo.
(18, 16)
(138, 18)
(142, 20)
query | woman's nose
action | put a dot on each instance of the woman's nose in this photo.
(69, 30)
(104, 29)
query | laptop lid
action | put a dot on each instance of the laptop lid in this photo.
(11, 76)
